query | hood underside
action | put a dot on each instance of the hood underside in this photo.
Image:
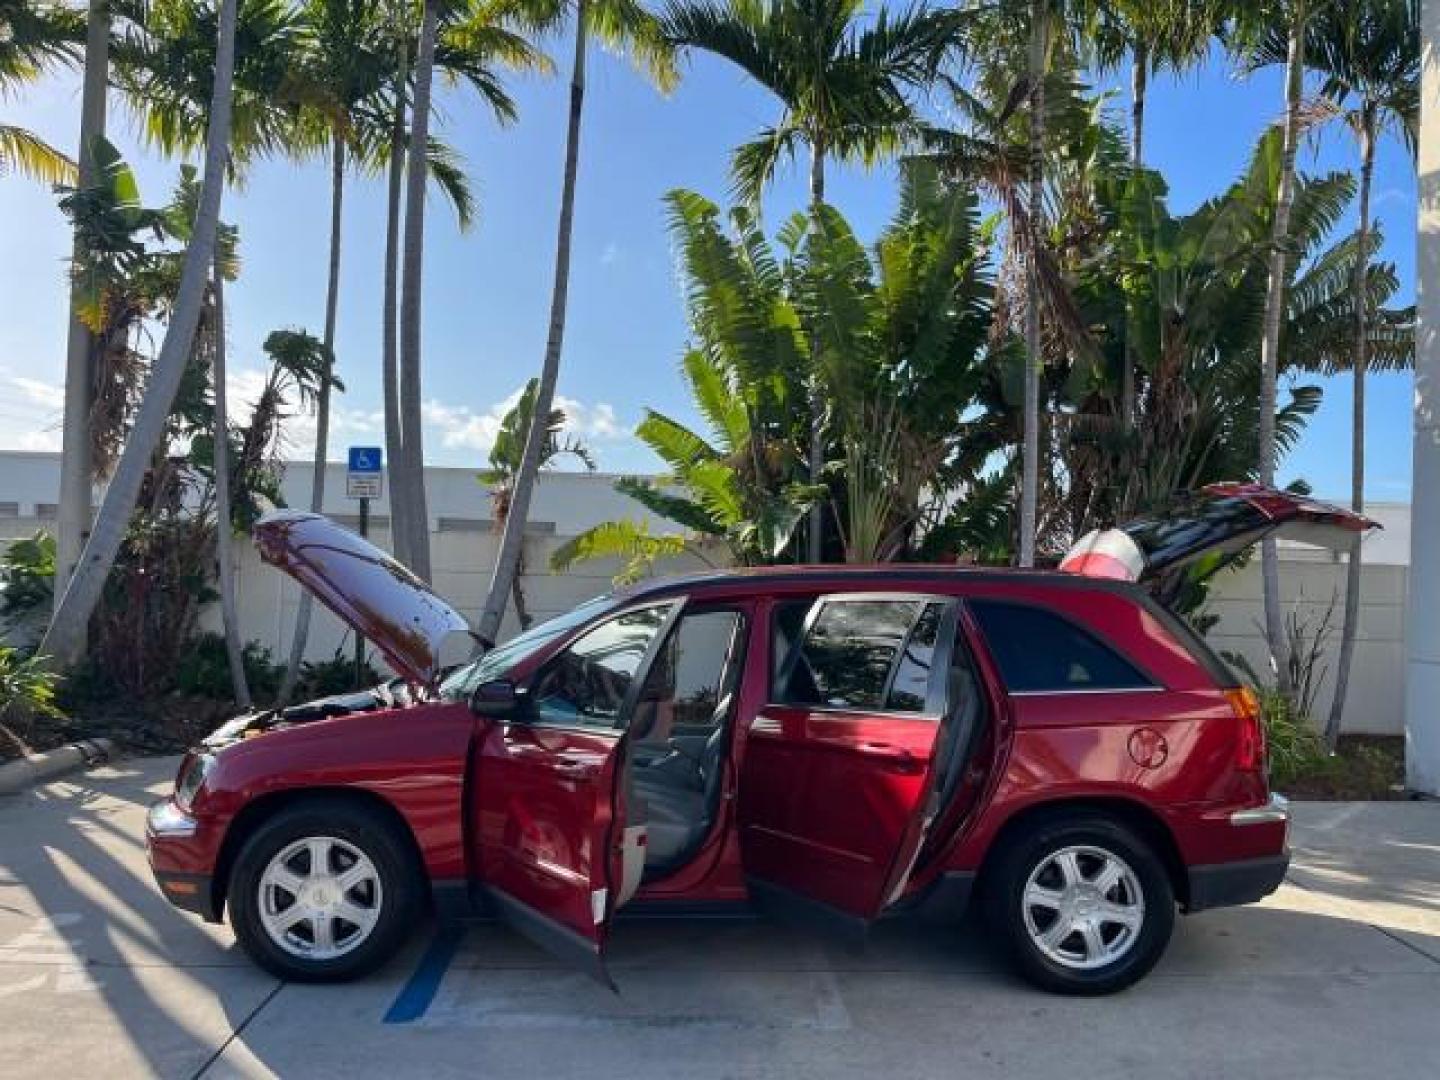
(378, 597)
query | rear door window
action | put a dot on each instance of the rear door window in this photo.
(1038, 651)
(871, 654)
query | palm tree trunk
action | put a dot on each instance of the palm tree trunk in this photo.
(1360, 361)
(815, 526)
(64, 637)
(72, 517)
(508, 559)
(1139, 83)
(1034, 360)
(1139, 80)
(224, 534)
(517, 592)
(301, 635)
(417, 513)
(389, 364)
(1270, 342)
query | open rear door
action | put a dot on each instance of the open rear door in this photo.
(840, 782)
(554, 854)
(1214, 525)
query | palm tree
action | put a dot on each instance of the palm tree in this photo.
(473, 42)
(161, 66)
(414, 517)
(505, 457)
(72, 519)
(34, 37)
(1370, 59)
(1039, 64)
(1156, 35)
(64, 635)
(625, 26)
(344, 89)
(1003, 148)
(1263, 33)
(842, 93)
(339, 77)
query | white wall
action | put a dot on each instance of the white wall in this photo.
(464, 543)
(1375, 700)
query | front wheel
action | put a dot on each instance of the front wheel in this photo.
(1085, 905)
(323, 892)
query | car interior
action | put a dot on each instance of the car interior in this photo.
(679, 734)
(870, 654)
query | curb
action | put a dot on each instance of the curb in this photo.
(17, 776)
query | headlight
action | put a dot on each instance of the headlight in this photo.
(192, 777)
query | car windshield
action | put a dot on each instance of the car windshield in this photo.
(498, 661)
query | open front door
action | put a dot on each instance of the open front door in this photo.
(843, 769)
(552, 848)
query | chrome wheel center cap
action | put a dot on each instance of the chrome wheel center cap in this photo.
(320, 894)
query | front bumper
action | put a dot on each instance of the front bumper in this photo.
(174, 840)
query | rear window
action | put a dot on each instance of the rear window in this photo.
(1040, 652)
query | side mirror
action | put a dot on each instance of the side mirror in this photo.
(499, 699)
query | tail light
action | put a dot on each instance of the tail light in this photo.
(1250, 745)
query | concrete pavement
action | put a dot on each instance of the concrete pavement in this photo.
(1337, 975)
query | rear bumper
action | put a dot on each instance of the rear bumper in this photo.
(1245, 880)
(1227, 884)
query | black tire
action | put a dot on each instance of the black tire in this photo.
(368, 830)
(1024, 854)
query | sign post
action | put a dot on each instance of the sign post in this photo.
(364, 480)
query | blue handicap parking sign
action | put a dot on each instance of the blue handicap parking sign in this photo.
(365, 459)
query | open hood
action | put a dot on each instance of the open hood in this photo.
(1220, 520)
(379, 598)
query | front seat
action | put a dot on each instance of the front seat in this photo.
(678, 803)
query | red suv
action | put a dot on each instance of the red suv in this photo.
(833, 744)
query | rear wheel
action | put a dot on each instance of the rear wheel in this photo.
(324, 891)
(1085, 905)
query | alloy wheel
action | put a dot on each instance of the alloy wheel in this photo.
(1083, 907)
(320, 898)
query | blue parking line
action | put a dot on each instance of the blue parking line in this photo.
(424, 983)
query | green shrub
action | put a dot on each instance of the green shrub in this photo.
(333, 676)
(27, 688)
(27, 574)
(204, 670)
(1293, 745)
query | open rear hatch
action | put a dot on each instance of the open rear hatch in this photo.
(1213, 525)
(416, 630)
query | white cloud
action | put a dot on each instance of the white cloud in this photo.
(611, 254)
(460, 427)
(31, 412)
(41, 393)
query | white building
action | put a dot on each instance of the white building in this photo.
(464, 541)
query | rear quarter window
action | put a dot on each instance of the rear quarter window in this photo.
(1038, 651)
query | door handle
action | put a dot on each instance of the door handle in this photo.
(897, 756)
(577, 770)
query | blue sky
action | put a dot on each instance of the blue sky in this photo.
(487, 291)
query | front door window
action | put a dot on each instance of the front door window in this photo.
(588, 683)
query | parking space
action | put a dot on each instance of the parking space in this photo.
(1337, 975)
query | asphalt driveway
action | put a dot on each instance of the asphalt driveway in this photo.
(1337, 975)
